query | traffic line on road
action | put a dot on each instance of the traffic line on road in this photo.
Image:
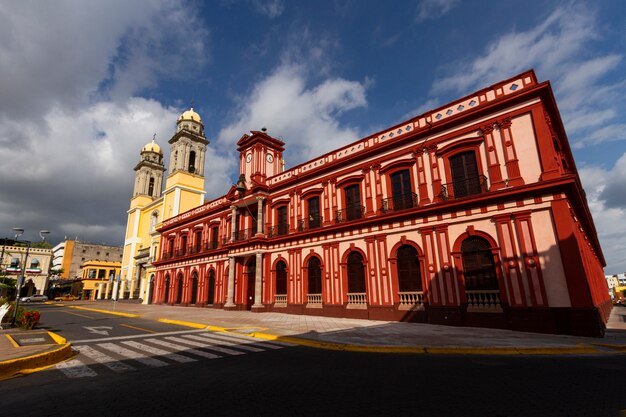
(97, 310)
(134, 336)
(159, 352)
(138, 328)
(74, 368)
(106, 360)
(131, 354)
(205, 343)
(182, 348)
(77, 314)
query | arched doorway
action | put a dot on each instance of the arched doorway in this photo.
(281, 283)
(314, 277)
(166, 295)
(179, 289)
(479, 272)
(251, 280)
(211, 298)
(357, 292)
(150, 289)
(194, 288)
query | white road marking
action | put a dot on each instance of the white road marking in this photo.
(131, 354)
(135, 336)
(208, 344)
(227, 342)
(75, 369)
(181, 348)
(106, 360)
(251, 340)
(159, 352)
(247, 341)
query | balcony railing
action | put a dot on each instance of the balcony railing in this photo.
(244, 234)
(400, 202)
(279, 230)
(349, 213)
(484, 301)
(280, 300)
(313, 222)
(411, 300)
(464, 188)
(210, 246)
(357, 300)
(314, 300)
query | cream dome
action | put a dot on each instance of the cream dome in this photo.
(152, 147)
(190, 115)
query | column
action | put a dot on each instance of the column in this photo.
(495, 175)
(259, 215)
(510, 156)
(148, 289)
(233, 223)
(231, 282)
(258, 281)
(100, 290)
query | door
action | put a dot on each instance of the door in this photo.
(353, 202)
(464, 170)
(251, 273)
(401, 190)
(211, 298)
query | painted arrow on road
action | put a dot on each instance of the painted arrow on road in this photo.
(97, 330)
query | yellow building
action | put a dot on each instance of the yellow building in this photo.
(97, 278)
(149, 205)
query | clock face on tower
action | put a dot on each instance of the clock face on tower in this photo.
(249, 157)
(269, 157)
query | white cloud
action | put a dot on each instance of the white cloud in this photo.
(306, 118)
(606, 198)
(71, 127)
(270, 8)
(434, 9)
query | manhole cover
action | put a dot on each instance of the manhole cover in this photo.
(31, 339)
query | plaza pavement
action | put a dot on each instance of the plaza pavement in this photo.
(326, 333)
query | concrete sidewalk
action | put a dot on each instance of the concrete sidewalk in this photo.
(341, 334)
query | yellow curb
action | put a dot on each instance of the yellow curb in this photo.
(33, 363)
(115, 313)
(184, 323)
(619, 348)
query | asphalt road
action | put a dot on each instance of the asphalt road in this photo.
(298, 381)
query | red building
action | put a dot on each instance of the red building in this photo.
(472, 214)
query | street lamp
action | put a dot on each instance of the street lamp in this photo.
(20, 280)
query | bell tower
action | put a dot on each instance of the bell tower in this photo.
(184, 186)
(149, 172)
(260, 156)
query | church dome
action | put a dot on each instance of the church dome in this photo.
(152, 147)
(190, 115)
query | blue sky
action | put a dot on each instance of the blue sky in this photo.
(87, 84)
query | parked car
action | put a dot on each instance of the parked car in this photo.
(34, 298)
(66, 297)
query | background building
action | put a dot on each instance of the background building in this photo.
(12, 260)
(471, 214)
(70, 255)
(151, 204)
(98, 278)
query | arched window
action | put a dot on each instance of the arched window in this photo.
(192, 162)
(194, 288)
(151, 187)
(179, 289)
(356, 273)
(281, 278)
(166, 296)
(408, 268)
(315, 276)
(478, 267)
(211, 298)
(34, 264)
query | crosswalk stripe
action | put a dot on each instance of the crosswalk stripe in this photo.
(75, 369)
(204, 343)
(103, 359)
(250, 340)
(246, 341)
(183, 348)
(159, 352)
(224, 342)
(131, 354)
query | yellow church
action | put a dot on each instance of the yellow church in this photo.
(151, 204)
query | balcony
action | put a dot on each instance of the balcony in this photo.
(400, 202)
(411, 300)
(279, 230)
(245, 234)
(210, 246)
(464, 188)
(313, 222)
(350, 213)
(484, 301)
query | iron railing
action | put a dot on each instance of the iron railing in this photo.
(464, 188)
(399, 202)
(278, 230)
(312, 222)
(354, 212)
(244, 234)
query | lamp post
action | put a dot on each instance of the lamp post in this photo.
(20, 280)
